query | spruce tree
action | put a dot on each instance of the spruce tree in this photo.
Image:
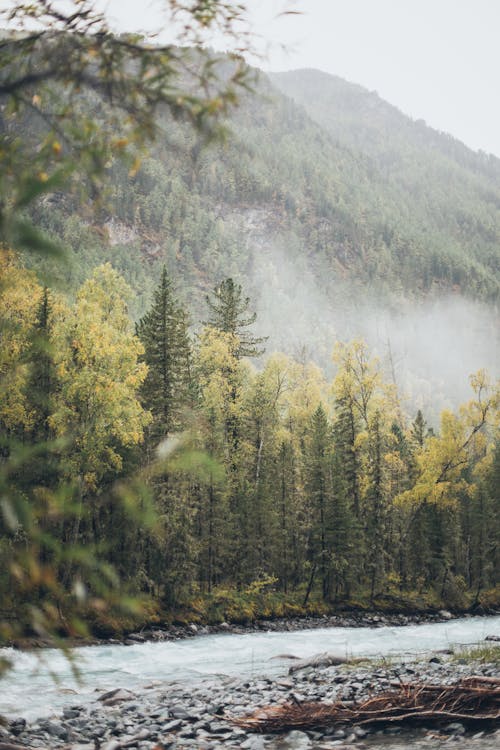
(318, 473)
(164, 333)
(41, 380)
(229, 313)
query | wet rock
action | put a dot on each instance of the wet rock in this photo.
(338, 734)
(455, 728)
(111, 745)
(54, 729)
(113, 697)
(181, 713)
(253, 743)
(17, 726)
(71, 713)
(445, 615)
(218, 727)
(360, 732)
(172, 725)
(137, 637)
(295, 740)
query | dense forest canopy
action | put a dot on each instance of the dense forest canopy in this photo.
(274, 479)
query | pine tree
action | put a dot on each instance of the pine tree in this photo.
(40, 395)
(164, 333)
(229, 313)
(320, 494)
(375, 507)
(41, 380)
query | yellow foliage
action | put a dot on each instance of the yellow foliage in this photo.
(20, 295)
(97, 363)
(464, 442)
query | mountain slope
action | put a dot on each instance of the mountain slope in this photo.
(450, 195)
(361, 191)
(338, 223)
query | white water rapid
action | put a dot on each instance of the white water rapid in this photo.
(41, 683)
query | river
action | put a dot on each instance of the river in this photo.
(42, 683)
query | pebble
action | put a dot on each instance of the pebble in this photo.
(199, 717)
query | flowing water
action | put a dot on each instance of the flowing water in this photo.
(41, 683)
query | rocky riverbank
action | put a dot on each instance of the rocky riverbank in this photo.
(176, 632)
(287, 625)
(198, 716)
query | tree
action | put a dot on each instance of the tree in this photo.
(319, 477)
(56, 56)
(229, 313)
(20, 296)
(164, 334)
(73, 98)
(97, 359)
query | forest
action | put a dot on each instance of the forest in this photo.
(264, 489)
(161, 457)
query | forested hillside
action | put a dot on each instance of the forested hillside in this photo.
(341, 216)
(448, 196)
(345, 180)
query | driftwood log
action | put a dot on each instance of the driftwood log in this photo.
(472, 701)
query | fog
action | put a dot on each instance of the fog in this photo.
(429, 348)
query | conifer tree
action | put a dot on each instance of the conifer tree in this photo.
(40, 394)
(319, 487)
(41, 380)
(164, 333)
(229, 313)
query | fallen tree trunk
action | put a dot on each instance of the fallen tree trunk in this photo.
(472, 701)
(319, 660)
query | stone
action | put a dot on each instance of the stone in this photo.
(137, 637)
(113, 697)
(359, 732)
(111, 745)
(55, 730)
(295, 740)
(70, 713)
(455, 728)
(17, 726)
(445, 615)
(172, 725)
(253, 743)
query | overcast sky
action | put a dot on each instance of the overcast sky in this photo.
(438, 60)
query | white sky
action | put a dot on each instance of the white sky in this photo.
(438, 60)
